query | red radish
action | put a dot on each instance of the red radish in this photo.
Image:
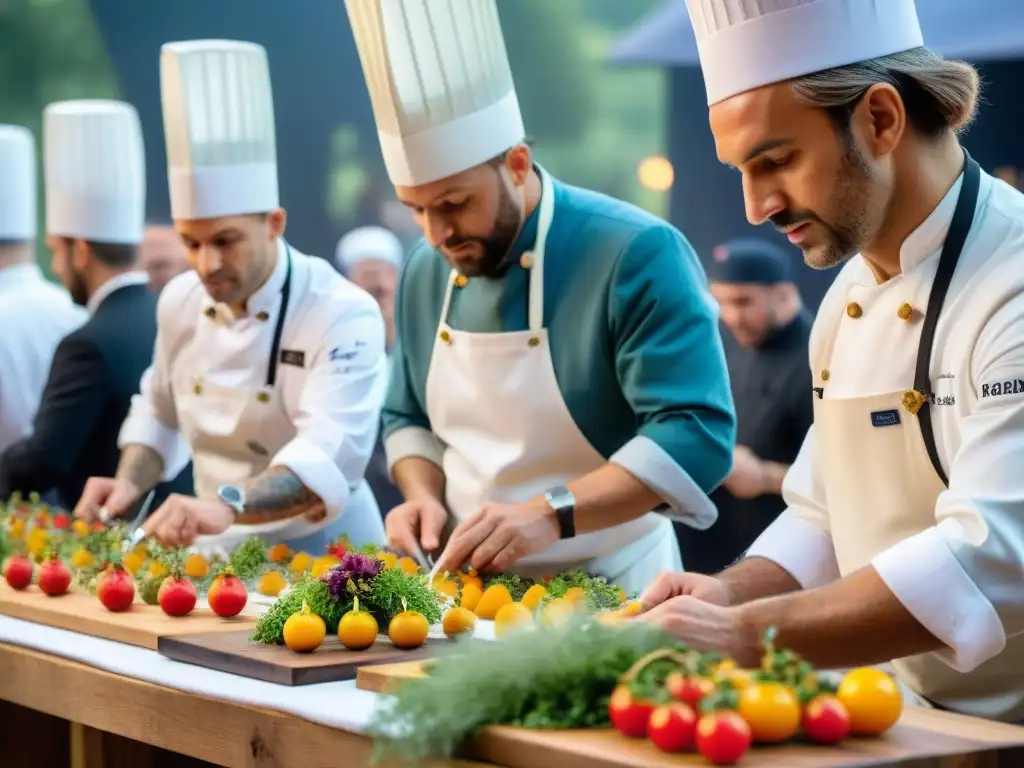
(672, 727)
(18, 571)
(115, 588)
(54, 576)
(628, 714)
(176, 596)
(227, 596)
(689, 690)
(825, 720)
(723, 737)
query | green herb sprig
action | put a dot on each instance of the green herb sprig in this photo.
(270, 626)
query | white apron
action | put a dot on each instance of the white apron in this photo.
(234, 431)
(494, 400)
(882, 483)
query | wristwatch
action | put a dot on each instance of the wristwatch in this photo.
(563, 502)
(234, 497)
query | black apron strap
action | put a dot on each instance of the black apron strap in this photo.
(286, 292)
(959, 228)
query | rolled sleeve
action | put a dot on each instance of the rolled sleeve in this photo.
(962, 578)
(800, 539)
(338, 413)
(671, 368)
(413, 441)
(152, 418)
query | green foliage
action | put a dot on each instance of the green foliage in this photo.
(270, 626)
(249, 560)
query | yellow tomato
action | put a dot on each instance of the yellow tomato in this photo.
(457, 621)
(445, 586)
(408, 565)
(271, 583)
(304, 630)
(494, 598)
(278, 553)
(575, 593)
(82, 558)
(533, 596)
(196, 566)
(156, 568)
(772, 711)
(873, 700)
(471, 577)
(512, 618)
(80, 528)
(37, 541)
(471, 594)
(301, 563)
(390, 559)
(408, 629)
(16, 528)
(323, 564)
(357, 629)
(133, 561)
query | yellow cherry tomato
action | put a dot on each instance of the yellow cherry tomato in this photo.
(278, 553)
(271, 583)
(408, 629)
(494, 598)
(471, 594)
(390, 559)
(196, 566)
(301, 563)
(304, 630)
(511, 618)
(772, 710)
(533, 596)
(408, 565)
(82, 558)
(873, 700)
(323, 564)
(457, 621)
(80, 528)
(357, 629)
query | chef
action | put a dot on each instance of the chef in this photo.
(269, 366)
(559, 391)
(35, 314)
(902, 538)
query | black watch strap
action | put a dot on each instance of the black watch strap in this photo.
(563, 502)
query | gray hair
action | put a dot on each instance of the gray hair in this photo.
(939, 95)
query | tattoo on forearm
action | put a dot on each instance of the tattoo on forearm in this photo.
(277, 494)
(141, 466)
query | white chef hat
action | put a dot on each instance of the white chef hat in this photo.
(95, 171)
(365, 243)
(219, 126)
(747, 44)
(439, 82)
(17, 183)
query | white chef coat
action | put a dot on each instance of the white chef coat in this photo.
(332, 397)
(35, 315)
(963, 578)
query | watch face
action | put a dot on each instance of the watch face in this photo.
(229, 494)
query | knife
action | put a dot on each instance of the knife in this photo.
(135, 532)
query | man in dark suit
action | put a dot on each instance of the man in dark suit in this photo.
(94, 227)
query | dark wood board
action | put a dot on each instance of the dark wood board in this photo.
(232, 652)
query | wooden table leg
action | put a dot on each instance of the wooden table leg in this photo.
(31, 738)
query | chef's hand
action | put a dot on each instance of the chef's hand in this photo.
(416, 524)
(500, 534)
(706, 626)
(181, 518)
(116, 496)
(671, 584)
(747, 479)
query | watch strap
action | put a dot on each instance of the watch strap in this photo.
(562, 500)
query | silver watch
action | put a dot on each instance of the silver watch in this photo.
(233, 496)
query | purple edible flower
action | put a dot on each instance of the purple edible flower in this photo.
(353, 576)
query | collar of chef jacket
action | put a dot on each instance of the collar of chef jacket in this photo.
(20, 274)
(263, 302)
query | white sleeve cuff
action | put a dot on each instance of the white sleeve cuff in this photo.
(930, 582)
(143, 429)
(654, 467)
(804, 550)
(413, 441)
(317, 471)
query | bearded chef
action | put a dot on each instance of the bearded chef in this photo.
(269, 366)
(902, 538)
(559, 391)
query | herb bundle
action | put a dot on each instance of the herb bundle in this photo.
(551, 678)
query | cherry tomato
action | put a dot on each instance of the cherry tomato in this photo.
(672, 727)
(873, 700)
(772, 711)
(689, 690)
(825, 720)
(628, 714)
(723, 737)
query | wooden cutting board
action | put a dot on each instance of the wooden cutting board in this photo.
(142, 625)
(924, 738)
(232, 652)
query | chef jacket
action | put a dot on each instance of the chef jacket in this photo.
(962, 578)
(769, 383)
(35, 315)
(633, 335)
(331, 372)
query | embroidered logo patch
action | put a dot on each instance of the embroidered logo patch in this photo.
(997, 388)
(293, 357)
(885, 418)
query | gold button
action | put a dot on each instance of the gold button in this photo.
(211, 312)
(905, 312)
(853, 310)
(460, 281)
(197, 388)
(534, 341)
(526, 260)
(263, 316)
(446, 337)
(913, 400)
(263, 397)
(825, 374)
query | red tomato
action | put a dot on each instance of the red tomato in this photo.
(18, 571)
(227, 596)
(61, 522)
(176, 596)
(689, 690)
(54, 577)
(825, 720)
(723, 737)
(629, 715)
(97, 525)
(671, 728)
(115, 588)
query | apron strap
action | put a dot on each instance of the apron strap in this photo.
(286, 292)
(443, 320)
(959, 228)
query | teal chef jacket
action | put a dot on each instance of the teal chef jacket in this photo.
(633, 333)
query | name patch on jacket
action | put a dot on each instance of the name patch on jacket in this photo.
(997, 388)
(293, 357)
(885, 418)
